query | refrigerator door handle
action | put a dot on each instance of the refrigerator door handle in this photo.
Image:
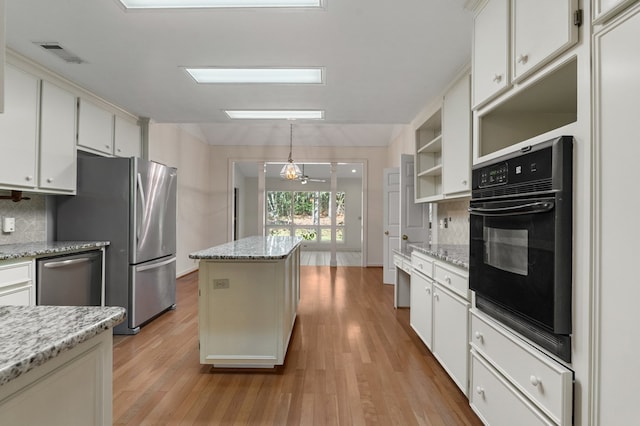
(144, 204)
(155, 265)
(63, 263)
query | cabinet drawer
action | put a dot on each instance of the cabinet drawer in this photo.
(422, 263)
(496, 401)
(452, 280)
(543, 380)
(15, 273)
(20, 295)
(397, 260)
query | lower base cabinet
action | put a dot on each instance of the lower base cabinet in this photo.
(496, 401)
(420, 315)
(16, 283)
(450, 334)
(75, 388)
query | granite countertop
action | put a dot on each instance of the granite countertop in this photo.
(457, 255)
(32, 335)
(16, 251)
(406, 252)
(251, 248)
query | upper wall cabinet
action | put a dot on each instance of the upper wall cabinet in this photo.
(127, 138)
(490, 60)
(518, 36)
(607, 9)
(95, 127)
(456, 137)
(19, 130)
(542, 29)
(57, 139)
(443, 147)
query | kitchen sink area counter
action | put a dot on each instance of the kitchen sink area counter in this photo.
(53, 357)
(249, 291)
(46, 248)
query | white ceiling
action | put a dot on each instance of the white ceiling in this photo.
(385, 60)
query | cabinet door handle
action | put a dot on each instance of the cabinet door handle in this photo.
(497, 78)
(522, 59)
(49, 180)
(464, 183)
(447, 278)
(28, 178)
(480, 390)
(108, 146)
(479, 337)
(428, 290)
(436, 296)
(535, 381)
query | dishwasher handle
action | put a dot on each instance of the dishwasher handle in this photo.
(63, 263)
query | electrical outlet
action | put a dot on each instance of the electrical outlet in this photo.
(220, 283)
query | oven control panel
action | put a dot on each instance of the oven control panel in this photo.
(496, 174)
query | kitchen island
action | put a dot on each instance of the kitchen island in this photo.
(56, 364)
(249, 291)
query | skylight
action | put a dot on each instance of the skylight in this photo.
(276, 114)
(188, 4)
(257, 75)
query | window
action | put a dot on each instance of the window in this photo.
(305, 214)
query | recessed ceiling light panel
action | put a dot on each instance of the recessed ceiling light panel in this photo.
(190, 4)
(257, 75)
(276, 114)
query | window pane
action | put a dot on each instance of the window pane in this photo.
(340, 208)
(325, 208)
(280, 232)
(340, 235)
(307, 234)
(325, 235)
(304, 208)
(278, 208)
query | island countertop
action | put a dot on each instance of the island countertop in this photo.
(16, 251)
(32, 335)
(251, 248)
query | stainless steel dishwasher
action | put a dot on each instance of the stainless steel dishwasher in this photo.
(70, 280)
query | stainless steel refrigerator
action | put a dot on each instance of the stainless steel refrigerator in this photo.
(131, 203)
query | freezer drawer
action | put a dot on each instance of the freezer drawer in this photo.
(70, 280)
(153, 289)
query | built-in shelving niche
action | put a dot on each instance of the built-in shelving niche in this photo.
(546, 105)
(429, 158)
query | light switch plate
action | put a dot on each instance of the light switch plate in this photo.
(8, 224)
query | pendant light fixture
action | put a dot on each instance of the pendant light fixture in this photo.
(290, 171)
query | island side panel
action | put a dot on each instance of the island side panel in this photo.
(241, 326)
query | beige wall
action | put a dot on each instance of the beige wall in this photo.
(172, 145)
(203, 185)
(402, 144)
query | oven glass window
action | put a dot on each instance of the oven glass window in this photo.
(506, 249)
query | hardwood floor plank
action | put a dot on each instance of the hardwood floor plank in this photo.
(352, 360)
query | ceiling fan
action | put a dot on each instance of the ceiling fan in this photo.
(304, 178)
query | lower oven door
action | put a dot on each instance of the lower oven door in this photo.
(515, 259)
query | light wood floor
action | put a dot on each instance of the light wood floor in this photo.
(352, 360)
(323, 258)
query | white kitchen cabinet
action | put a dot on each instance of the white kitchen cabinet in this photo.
(616, 151)
(607, 9)
(518, 36)
(420, 315)
(496, 401)
(95, 127)
(451, 334)
(541, 30)
(127, 138)
(428, 159)
(456, 139)
(19, 130)
(16, 283)
(531, 375)
(490, 52)
(57, 139)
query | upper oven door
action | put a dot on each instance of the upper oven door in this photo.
(512, 255)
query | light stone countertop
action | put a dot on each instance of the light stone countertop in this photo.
(32, 335)
(16, 251)
(251, 248)
(457, 255)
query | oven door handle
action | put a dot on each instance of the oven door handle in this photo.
(529, 208)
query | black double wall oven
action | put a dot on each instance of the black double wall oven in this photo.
(520, 257)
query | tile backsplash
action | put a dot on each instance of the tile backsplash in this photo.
(457, 218)
(30, 216)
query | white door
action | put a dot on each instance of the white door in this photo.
(413, 217)
(391, 222)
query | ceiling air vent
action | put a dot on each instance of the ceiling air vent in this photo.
(60, 52)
